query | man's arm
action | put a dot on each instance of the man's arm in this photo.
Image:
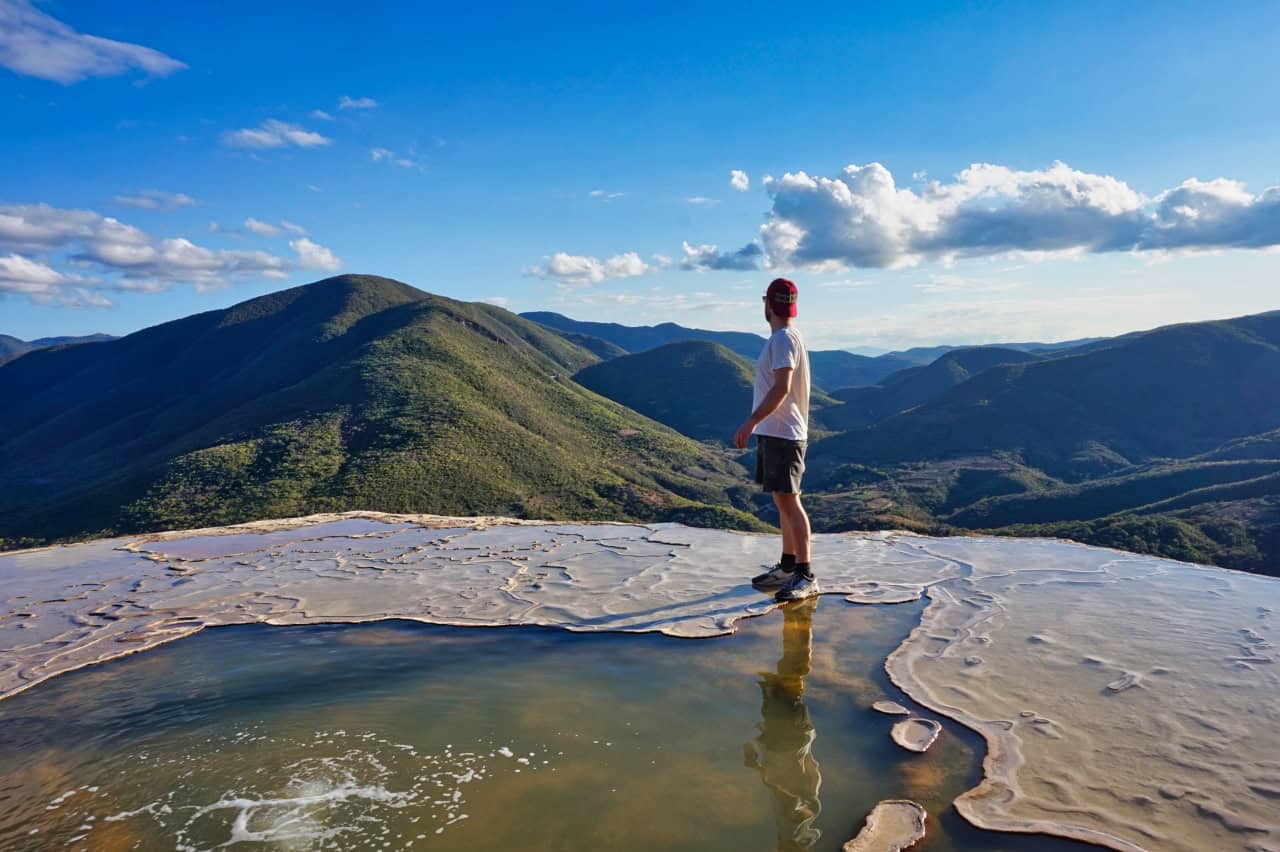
(772, 400)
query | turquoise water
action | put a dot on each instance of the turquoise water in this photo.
(398, 735)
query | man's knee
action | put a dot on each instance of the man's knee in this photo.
(787, 503)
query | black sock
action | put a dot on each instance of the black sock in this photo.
(803, 569)
(788, 562)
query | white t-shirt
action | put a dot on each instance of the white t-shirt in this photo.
(785, 348)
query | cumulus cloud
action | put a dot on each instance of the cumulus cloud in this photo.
(862, 218)
(573, 270)
(109, 255)
(709, 256)
(154, 199)
(315, 256)
(262, 229)
(37, 45)
(274, 134)
(345, 102)
(739, 180)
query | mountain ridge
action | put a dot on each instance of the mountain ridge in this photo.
(354, 390)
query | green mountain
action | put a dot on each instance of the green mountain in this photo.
(698, 388)
(1168, 393)
(353, 392)
(914, 386)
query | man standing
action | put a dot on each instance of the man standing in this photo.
(780, 423)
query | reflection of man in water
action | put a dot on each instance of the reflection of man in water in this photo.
(783, 752)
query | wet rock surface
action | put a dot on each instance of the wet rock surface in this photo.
(892, 826)
(916, 734)
(1126, 701)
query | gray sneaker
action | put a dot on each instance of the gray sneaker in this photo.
(775, 577)
(798, 588)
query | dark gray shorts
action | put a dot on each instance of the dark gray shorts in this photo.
(779, 464)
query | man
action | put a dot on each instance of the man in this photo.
(780, 423)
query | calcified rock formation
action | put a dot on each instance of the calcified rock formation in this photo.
(892, 825)
(916, 734)
(1127, 701)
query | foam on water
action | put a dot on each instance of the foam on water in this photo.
(338, 785)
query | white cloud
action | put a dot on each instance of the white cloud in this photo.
(292, 227)
(709, 256)
(862, 218)
(605, 194)
(154, 199)
(739, 180)
(262, 229)
(121, 257)
(37, 45)
(702, 201)
(274, 134)
(345, 102)
(315, 256)
(573, 270)
(321, 115)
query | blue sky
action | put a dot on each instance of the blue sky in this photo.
(942, 173)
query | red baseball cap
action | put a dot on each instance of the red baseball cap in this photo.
(782, 297)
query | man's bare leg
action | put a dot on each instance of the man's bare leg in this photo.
(795, 525)
(788, 541)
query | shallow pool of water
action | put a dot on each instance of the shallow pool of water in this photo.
(398, 735)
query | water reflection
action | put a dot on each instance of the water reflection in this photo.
(783, 750)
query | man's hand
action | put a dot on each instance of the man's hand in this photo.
(743, 436)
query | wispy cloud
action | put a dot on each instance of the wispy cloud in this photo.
(605, 194)
(37, 45)
(108, 255)
(346, 102)
(155, 199)
(702, 201)
(386, 155)
(573, 270)
(274, 134)
(262, 229)
(709, 256)
(321, 115)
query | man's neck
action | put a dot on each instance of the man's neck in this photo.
(776, 323)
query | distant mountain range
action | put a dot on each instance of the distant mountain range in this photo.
(1166, 441)
(355, 391)
(12, 347)
(831, 368)
(363, 392)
